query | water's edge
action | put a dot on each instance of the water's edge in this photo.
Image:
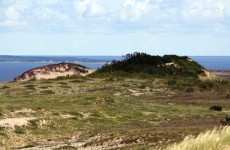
(12, 66)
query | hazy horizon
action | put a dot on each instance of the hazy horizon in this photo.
(115, 28)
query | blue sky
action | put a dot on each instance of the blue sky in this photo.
(114, 27)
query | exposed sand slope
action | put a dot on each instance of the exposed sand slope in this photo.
(53, 71)
(208, 75)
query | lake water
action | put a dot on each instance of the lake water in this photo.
(12, 66)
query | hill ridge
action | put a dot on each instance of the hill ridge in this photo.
(53, 71)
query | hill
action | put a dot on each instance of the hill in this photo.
(145, 64)
(54, 71)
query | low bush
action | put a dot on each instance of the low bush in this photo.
(74, 113)
(47, 92)
(227, 96)
(216, 108)
(172, 82)
(189, 90)
(226, 120)
(19, 130)
(34, 123)
(5, 87)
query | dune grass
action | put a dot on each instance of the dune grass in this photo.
(134, 113)
(216, 139)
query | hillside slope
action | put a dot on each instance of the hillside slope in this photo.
(53, 71)
(167, 65)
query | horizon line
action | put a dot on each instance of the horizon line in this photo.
(109, 55)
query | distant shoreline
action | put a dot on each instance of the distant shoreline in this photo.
(221, 72)
(11, 67)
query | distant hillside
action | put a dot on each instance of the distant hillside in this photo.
(145, 64)
(54, 71)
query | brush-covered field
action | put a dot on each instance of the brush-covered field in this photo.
(108, 113)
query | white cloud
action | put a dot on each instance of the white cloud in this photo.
(47, 2)
(13, 15)
(89, 8)
(133, 10)
(47, 13)
(206, 9)
(115, 16)
(95, 10)
(81, 6)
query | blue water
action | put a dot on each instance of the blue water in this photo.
(13, 66)
(10, 70)
(213, 62)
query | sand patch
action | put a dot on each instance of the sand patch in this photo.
(208, 75)
(86, 115)
(12, 122)
(117, 94)
(147, 113)
(135, 93)
(25, 111)
(67, 116)
(171, 64)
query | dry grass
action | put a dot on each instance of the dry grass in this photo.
(216, 139)
(131, 113)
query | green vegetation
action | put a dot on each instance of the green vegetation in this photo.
(226, 120)
(144, 65)
(132, 112)
(5, 87)
(148, 104)
(47, 92)
(19, 130)
(216, 108)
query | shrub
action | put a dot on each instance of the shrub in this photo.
(74, 113)
(44, 87)
(65, 86)
(216, 108)
(207, 85)
(47, 92)
(77, 81)
(172, 82)
(111, 79)
(142, 86)
(30, 87)
(226, 120)
(227, 96)
(5, 87)
(189, 90)
(19, 130)
(34, 123)
(2, 128)
(62, 83)
(2, 133)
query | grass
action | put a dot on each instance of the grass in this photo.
(5, 87)
(141, 113)
(19, 130)
(216, 139)
(47, 92)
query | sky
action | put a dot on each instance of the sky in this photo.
(115, 27)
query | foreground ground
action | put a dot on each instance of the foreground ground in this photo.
(87, 113)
